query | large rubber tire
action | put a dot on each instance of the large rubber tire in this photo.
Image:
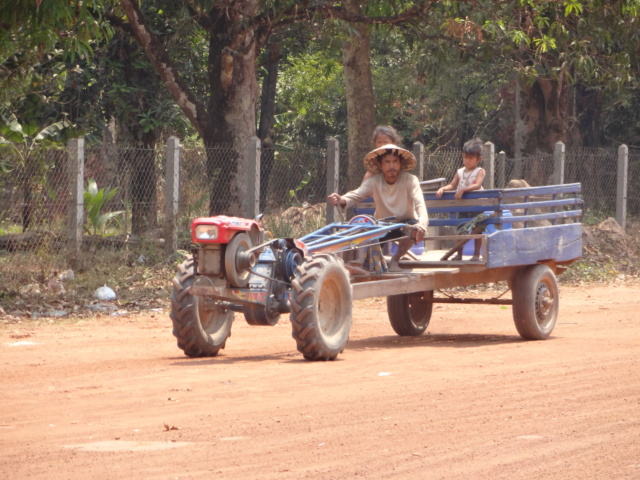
(321, 307)
(201, 332)
(536, 302)
(410, 313)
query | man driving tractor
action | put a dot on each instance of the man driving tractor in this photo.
(396, 193)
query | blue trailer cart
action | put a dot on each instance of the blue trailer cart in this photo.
(527, 235)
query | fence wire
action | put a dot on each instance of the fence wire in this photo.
(34, 187)
(442, 163)
(585, 165)
(33, 198)
(136, 179)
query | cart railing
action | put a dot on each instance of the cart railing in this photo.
(518, 207)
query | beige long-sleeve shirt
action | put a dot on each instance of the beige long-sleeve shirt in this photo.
(403, 199)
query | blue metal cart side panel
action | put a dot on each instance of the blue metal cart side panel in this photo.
(527, 246)
(511, 192)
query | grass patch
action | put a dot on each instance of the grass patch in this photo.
(584, 271)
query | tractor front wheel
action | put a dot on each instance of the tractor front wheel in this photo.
(321, 307)
(201, 326)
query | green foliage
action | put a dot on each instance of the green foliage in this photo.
(95, 201)
(41, 44)
(303, 183)
(311, 102)
(583, 39)
(22, 149)
(70, 24)
(25, 139)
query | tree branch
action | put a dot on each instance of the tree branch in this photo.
(159, 58)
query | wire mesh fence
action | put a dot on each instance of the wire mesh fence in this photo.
(633, 184)
(599, 184)
(128, 201)
(442, 163)
(298, 176)
(33, 197)
(129, 195)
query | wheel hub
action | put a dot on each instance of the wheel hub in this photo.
(544, 303)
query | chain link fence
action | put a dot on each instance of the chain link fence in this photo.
(442, 163)
(130, 191)
(633, 184)
(127, 206)
(33, 198)
(585, 165)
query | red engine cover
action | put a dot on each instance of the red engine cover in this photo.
(227, 227)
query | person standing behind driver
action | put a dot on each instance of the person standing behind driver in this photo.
(383, 135)
(467, 179)
(396, 193)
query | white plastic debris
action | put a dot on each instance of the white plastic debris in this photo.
(105, 294)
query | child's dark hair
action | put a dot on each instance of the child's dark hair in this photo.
(473, 147)
(389, 132)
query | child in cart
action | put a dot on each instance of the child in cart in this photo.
(467, 179)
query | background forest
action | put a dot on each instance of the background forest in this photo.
(522, 73)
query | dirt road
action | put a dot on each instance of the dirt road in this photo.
(113, 397)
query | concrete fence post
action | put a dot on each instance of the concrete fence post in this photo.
(75, 205)
(418, 152)
(172, 195)
(252, 205)
(621, 190)
(488, 162)
(501, 166)
(333, 173)
(557, 177)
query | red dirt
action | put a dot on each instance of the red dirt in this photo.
(113, 397)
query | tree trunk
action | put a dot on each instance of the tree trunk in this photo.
(143, 178)
(356, 59)
(234, 89)
(588, 105)
(229, 116)
(266, 132)
(540, 123)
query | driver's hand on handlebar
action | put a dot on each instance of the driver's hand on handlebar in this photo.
(336, 200)
(419, 233)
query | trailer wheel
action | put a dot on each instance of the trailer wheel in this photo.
(201, 326)
(535, 302)
(321, 306)
(410, 313)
